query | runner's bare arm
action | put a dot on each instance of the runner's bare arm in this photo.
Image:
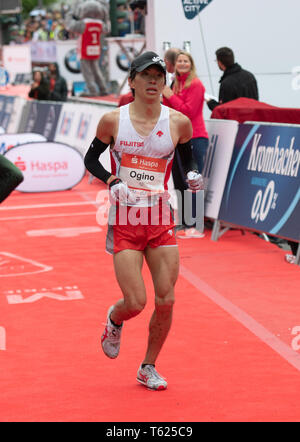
(107, 127)
(105, 135)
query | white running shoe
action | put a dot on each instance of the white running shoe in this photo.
(149, 377)
(111, 338)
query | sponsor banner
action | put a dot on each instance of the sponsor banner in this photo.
(18, 107)
(43, 51)
(11, 109)
(6, 110)
(42, 118)
(17, 59)
(7, 141)
(47, 166)
(77, 125)
(222, 135)
(262, 190)
(68, 60)
(192, 8)
(119, 50)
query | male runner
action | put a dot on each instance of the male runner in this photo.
(142, 136)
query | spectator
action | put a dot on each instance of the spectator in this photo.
(27, 34)
(170, 60)
(58, 90)
(187, 96)
(124, 25)
(40, 87)
(139, 11)
(35, 29)
(64, 8)
(235, 82)
(42, 33)
(49, 22)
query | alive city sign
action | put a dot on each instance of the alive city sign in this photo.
(193, 7)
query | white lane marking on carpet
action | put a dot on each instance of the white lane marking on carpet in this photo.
(64, 231)
(246, 320)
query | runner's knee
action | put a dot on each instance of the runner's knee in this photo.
(135, 306)
(164, 303)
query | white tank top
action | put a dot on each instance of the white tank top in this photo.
(143, 162)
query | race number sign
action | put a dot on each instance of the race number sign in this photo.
(143, 173)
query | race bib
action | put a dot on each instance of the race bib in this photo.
(93, 50)
(143, 173)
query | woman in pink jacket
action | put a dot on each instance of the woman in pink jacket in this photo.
(187, 96)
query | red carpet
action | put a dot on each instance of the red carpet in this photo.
(230, 355)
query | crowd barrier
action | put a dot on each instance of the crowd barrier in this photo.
(253, 178)
(251, 170)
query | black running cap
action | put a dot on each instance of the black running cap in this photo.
(147, 59)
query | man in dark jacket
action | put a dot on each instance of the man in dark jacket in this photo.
(235, 82)
(57, 84)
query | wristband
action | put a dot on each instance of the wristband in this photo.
(114, 181)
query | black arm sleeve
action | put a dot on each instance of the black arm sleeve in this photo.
(91, 160)
(186, 156)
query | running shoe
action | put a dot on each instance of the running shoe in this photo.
(189, 233)
(291, 259)
(149, 377)
(111, 338)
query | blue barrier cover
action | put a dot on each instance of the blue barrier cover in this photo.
(262, 190)
(6, 106)
(42, 118)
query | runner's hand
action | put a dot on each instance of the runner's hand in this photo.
(195, 181)
(119, 192)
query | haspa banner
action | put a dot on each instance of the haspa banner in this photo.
(47, 166)
(262, 190)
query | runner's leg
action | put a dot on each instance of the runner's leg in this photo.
(163, 263)
(128, 269)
